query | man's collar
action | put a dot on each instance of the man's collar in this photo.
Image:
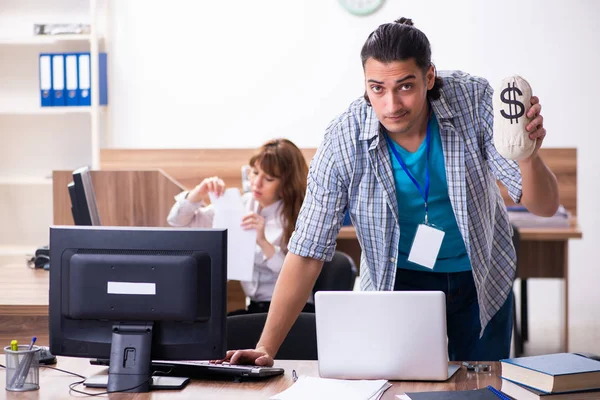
(442, 108)
(371, 130)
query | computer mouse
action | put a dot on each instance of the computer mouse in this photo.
(41, 261)
(46, 358)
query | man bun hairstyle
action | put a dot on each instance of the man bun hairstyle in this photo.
(400, 41)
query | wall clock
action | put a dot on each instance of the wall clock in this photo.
(361, 7)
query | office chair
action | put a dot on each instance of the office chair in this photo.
(243, 332)
(519, 331)
(337, 274)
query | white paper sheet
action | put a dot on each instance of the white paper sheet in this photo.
(241, 244)
(308, 387)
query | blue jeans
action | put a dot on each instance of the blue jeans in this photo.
(462, 315)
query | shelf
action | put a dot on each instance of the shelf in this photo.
(25, 180)
(45, 110)
(43, 39)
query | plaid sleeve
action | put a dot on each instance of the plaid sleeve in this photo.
(506, 171)
(324, 205)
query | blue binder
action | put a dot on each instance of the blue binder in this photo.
(46, 93)
(58, 79)
(103, 79)
(71, 79)
(85, 81)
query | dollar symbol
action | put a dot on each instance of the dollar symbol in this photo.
(506, 98)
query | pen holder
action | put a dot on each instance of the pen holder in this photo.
(22, 368)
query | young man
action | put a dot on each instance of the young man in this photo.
(416, 153)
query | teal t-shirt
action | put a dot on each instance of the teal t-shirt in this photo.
(411, 206)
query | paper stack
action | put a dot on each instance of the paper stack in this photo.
(308, 387)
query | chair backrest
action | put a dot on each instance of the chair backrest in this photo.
(243, 332)
(337, 274)
(516, 239)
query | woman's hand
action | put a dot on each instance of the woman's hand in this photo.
(213, 184)
(254, 221)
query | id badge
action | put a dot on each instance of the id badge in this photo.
(426, 246)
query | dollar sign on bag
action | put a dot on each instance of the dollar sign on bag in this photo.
(506, 98)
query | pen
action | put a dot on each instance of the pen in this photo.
(18, 380)
(498, 393)
(14, 345)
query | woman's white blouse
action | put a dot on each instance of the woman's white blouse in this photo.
(197, 215)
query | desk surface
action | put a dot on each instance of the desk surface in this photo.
(28, 293)
(55, 384)
(527, 234)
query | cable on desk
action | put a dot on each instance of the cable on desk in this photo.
(65, 371)
(74, 384)
(72, 388)
(72, 373)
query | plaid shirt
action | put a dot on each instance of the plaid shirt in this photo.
(352, 170)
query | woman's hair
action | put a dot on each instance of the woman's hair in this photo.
(400, 41)
(281, 159)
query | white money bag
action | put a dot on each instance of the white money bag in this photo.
(512, 101)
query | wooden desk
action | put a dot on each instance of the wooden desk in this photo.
(23, 303)
(55, 384)
(527, 234)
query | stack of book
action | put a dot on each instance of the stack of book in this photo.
(521, 218)
(561, 376)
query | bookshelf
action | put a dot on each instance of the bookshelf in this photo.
(29, 110)
(37, 140)
(35, 40)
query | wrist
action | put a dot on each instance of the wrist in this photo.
(263, 349)
(529, 161)
(194, 196)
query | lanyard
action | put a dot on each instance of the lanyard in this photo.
(424, 193)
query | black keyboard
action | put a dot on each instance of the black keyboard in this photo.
(225, 369)
(208, 369)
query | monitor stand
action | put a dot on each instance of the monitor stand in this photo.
(157, 383)
(130, 358)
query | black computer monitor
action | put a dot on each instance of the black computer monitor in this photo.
(83, 198)
(133, 294)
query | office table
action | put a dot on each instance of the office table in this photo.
(23, 303)
(55, 384)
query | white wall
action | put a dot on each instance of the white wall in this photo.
(236, 73)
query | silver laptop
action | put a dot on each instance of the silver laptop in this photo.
(382, 335)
